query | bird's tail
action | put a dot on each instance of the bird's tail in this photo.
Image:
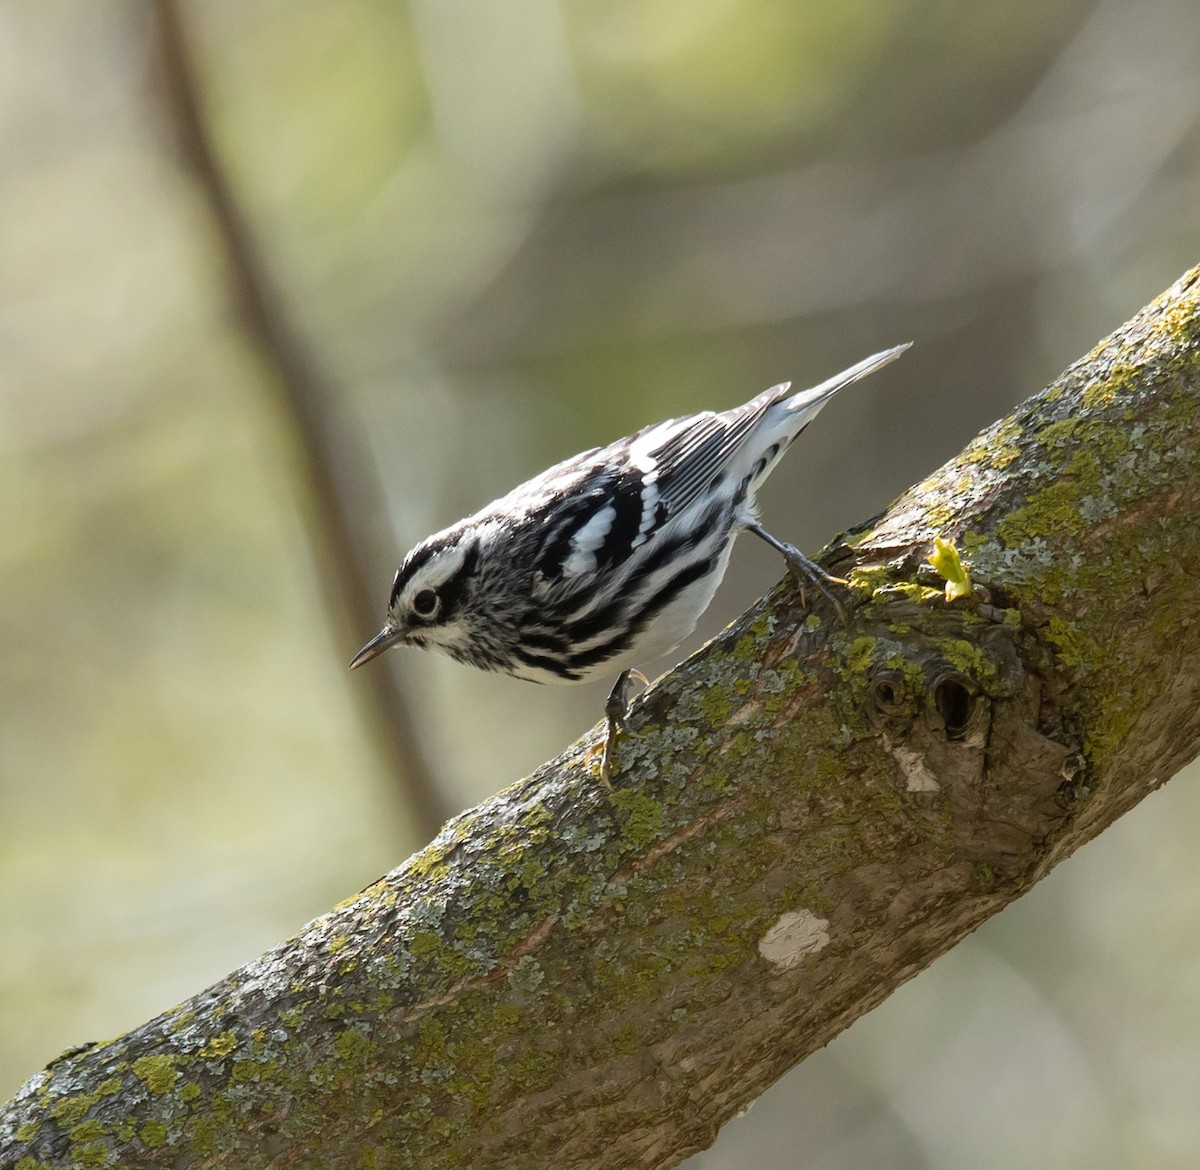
(781, 415)
(807, 403)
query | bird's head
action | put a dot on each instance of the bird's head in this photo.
(430, 594)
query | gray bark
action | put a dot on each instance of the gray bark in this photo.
(804, 815)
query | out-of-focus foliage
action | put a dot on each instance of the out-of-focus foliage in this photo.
(512, 231)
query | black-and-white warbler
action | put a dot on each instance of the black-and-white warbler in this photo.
(608, 558)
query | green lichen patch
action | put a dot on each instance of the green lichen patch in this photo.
(868, 578)
(642, 818)
(221, 1045)
(202, 1134)
(71, 1109)
(1072, 648)
(1120, 378)
(966, 657)
(1048, 513)
(998, 446)
(352, 1050)
(158, 1073)
(432, 862)
(88, 1131)
(859, 654)
(89, 1154)
(1055, 438)
(763, 626)
(244, 1071)
(716, 705)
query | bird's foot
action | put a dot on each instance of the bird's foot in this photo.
(805, 572)
(616, 708)
(809, 572)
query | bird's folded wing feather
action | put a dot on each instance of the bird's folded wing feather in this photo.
(627, 491)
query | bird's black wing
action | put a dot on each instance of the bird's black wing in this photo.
(685, 455)
(600, 507)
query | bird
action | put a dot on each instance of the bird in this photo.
(608, 558)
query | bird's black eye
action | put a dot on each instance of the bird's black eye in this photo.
(425, 603)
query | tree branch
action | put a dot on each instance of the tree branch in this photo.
(804, 816)
(342, 507)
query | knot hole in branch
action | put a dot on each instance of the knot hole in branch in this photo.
(924, 690)
(953, 697)
(888, 691)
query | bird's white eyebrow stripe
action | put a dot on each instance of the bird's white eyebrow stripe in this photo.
(452, 589)
(447, 554)
(414, 561)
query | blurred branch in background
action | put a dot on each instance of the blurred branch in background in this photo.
(341, 501)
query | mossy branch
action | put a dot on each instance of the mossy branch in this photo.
(805, 815)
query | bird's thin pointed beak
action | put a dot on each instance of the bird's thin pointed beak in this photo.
(377, 645)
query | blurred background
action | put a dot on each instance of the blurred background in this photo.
(285, 286)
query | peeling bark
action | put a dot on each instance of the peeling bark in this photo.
(804, 816)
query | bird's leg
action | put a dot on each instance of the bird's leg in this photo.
(804, 570)
(616, 708)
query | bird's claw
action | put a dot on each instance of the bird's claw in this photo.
(804, 571)
(808, 572)
(616, 708)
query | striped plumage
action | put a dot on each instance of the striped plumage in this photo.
(608, 558)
